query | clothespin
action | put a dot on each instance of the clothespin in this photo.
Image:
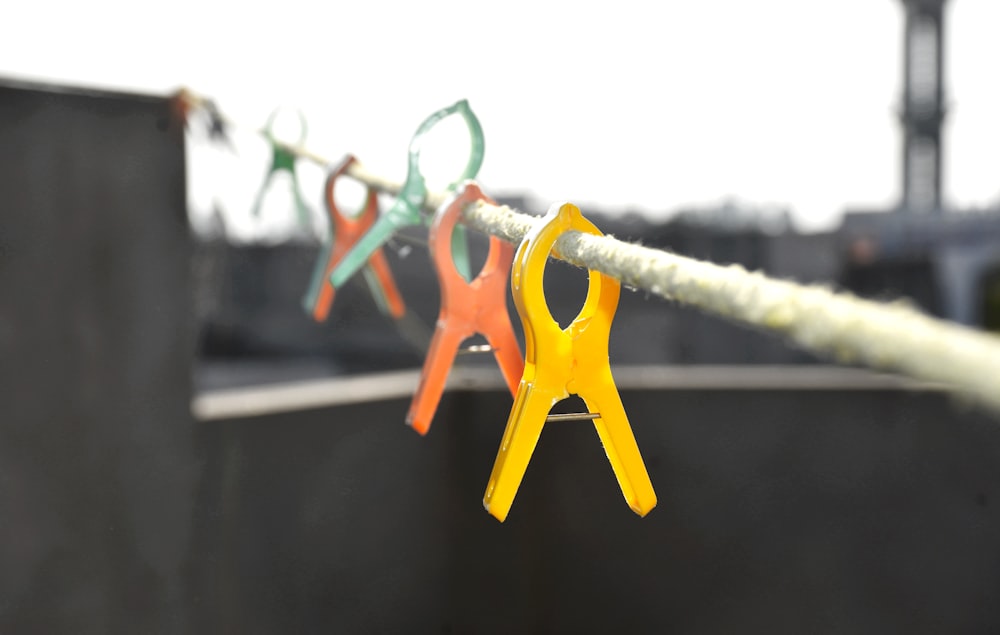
(182, 103)
(406, 210)
(283, 158)
(467, 308)
(345, 232)
(560, 362)
(218, 127)
(185, 102)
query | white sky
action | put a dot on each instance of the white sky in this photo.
(640, 105)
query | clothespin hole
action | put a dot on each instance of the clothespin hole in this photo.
(479, 249)
(350, 196)
(566, 289)
(287, 125)
(571, 405)
(444, 152)
(476, 347)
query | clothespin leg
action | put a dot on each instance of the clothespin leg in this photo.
(374, 289)
(440, 357)
(502, 340)
(255, 210)
(376, 236)
(623, 452)
(300, 205)
(524, 426)
(319, 296)
(379, 264)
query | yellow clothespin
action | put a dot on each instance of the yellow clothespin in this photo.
(561, 362)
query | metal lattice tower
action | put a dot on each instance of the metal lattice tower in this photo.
(923, 105)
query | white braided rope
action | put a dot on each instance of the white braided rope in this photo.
(893, 337)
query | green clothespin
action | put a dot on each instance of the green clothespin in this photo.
(283, 158)
(344, 232)
(406, 210)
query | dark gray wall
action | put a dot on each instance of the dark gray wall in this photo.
(779, 512)
(97, 458)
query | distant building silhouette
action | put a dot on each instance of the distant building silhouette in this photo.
(941, 259)
(923, 108)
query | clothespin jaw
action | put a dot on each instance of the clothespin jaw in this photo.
(218, 127)
(467, 308)
(560, 362)
(185, 102)
(283, 157)
(406, 210)
(181, 105)
(345, 232)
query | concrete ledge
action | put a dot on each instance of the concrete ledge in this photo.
(311, 394)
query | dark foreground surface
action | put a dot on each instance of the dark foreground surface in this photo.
(779, 512)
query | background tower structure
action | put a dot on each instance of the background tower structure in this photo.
(923, 105)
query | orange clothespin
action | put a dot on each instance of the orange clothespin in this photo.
(561, 362)
(467, 308)
(346, 232)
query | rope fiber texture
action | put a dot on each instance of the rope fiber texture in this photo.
(892, 337)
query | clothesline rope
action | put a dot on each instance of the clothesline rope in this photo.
(889, 337)
(892, 337)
